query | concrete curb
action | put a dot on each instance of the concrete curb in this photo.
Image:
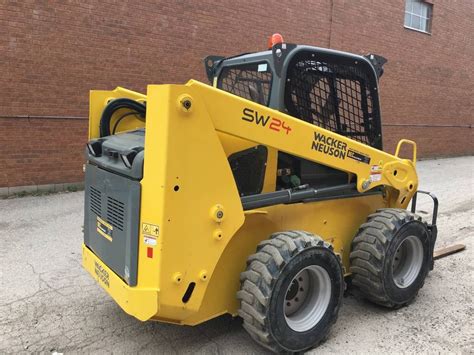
(40, 189)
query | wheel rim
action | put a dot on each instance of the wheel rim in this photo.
(307, 298)
(407, 262)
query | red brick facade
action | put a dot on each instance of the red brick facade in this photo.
(54, 52)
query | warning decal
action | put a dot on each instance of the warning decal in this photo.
(375, 177)
(151, 229)
(375, 173)
(149, 240)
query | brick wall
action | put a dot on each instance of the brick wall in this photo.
(54, 52)
(37, 152)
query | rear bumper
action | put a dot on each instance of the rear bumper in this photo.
(142, 303)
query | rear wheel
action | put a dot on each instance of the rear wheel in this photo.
(291, 291)
(390, 257)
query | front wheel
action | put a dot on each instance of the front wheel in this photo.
(291, 291)
(390, 257)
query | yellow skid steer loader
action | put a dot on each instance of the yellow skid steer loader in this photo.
(259, 196)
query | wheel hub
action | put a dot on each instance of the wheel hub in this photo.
(293, 290)
(307, 298)
(407, 262)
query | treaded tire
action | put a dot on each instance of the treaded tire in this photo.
(374, 251)
(265, 283)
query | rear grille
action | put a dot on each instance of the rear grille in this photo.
(115, 212)
(95, 200)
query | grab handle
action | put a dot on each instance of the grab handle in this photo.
(406, 141)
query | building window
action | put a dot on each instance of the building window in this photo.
(418, 15)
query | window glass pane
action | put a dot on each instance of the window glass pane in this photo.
(424, 25)
(408, 5)
(416, 7)
(424, 10)
(415, 21)
(407, 20)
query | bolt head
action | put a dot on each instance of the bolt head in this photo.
(217, 213)
(187, 104)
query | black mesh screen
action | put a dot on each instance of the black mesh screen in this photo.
(250, 81)
(248, 167)
(336, 93)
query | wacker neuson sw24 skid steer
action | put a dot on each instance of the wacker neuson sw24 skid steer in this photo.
(261, 196)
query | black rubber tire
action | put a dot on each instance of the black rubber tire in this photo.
(266, 280)
(373, 253)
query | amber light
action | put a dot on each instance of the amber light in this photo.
(274, 39)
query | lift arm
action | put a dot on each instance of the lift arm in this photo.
(248, 120)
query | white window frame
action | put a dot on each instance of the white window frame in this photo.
(428, 19)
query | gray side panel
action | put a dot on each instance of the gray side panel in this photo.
(116, 200)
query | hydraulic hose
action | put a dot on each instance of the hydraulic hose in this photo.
(115, 105)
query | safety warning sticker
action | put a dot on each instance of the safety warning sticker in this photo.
(375, 173)
(151, 229)
(149, 240)
(375, 177)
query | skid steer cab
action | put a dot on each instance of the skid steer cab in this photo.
(258, 196)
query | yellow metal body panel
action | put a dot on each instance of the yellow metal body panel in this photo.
(189, 193)
(141, 303)
(185, 185)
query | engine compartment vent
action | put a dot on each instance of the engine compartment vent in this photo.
(115, 212)
(95, 200)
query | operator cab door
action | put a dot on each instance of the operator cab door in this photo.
(338, 92)
(335, 91)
